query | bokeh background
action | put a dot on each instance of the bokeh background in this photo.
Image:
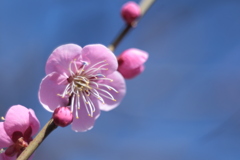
(186, 104)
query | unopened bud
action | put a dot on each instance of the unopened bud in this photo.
(130, 12)
(62, 116)
(131, 62)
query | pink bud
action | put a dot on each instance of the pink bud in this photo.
(62, 116)
(130, 62)
(130, 12)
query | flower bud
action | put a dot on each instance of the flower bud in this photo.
(130, 62)
(130, 12)
(62, 116)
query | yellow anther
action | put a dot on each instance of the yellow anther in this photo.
(2, 118)
(114, 100)
(77, 117)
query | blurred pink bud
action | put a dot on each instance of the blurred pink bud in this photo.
(130, 12)
(62, 116)
(131, 62)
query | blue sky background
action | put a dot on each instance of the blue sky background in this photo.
(186, 104)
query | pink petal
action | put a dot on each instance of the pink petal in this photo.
(133, 58)
(85, 122)
(5, 140)
(61, 57)
(96, 53)
(49, 88)
(131, 62)
(129, 74)
(34, 123)
(118, 83)
(17, 119)
(3, 156)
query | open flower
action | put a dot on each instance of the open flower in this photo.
(85, 79)
(16, 131)
(131, 62)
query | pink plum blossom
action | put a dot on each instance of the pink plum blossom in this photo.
(16, 131)
(131, 62)
(84, 79)
(130, 11)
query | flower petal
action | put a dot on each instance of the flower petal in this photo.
(50, 86)
(118, 83)
(85, 122)
(34, 123)
(3, 156)
(133, 58)
(5, 140)
(96, 53)
(61, 57)
(17, 119)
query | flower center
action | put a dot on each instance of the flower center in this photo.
(20, 142)
(86, 85)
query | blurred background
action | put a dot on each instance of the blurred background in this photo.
(186, 104)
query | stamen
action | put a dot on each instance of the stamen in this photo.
(2, 118)
(111, 97)
(108, 87)
(83, 86)
(78, 101)
(96, 94)
(97, 64)
(94, 83)
(95, 69)
(85, 102)
(72, 103)
(105, 79)
(70, 68)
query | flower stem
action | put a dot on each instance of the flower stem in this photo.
(144, 6)
(47, 129)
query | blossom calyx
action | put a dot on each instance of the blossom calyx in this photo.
(62, 116)
(130, 11)
(131, 62)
